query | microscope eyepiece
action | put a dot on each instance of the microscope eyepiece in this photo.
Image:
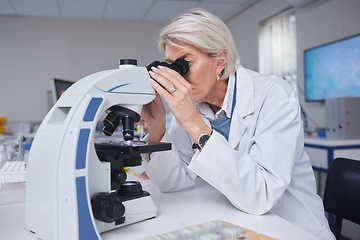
(127, 61)
(153, 64)
(180, 65)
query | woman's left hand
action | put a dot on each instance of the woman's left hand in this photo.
(177, 92)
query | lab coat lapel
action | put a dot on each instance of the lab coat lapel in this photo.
(244, 107)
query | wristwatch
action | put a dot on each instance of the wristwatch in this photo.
(201, 141)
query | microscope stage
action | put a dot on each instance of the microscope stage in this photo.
(138, 146)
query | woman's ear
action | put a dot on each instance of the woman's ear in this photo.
(222, 58)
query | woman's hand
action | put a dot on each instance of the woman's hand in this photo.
(154, 115)
(177, 92)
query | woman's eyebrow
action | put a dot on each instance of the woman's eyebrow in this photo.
(183, 56)
(168, 60)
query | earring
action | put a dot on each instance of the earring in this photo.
(217, 77)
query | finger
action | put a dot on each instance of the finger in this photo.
(161, 90)
(174, 76)
(162, 81)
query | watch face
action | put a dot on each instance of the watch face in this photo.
(203, 139)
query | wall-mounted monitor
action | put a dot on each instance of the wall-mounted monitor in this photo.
(332, 70)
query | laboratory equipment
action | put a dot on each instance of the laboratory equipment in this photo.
(342, 118)
(75, 187)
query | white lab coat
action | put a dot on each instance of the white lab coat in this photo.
(262, 167)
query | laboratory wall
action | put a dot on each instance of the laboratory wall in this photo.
(33, 51)
(318, 24)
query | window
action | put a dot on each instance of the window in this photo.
(277, 46)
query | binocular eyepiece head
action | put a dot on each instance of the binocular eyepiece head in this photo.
(129, 117)
(180, 65)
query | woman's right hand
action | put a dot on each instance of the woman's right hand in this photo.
(154, 114)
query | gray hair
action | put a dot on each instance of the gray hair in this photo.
(204, 31)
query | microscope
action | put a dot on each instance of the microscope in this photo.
(76, 186)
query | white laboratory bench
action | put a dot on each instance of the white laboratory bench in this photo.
(323, 151)
(197, 205)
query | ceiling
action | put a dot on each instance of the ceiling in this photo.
(120, 10)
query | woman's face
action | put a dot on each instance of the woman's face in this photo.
(203, 69)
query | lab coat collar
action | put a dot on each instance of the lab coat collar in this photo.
(245, 93)
(244, 105)
(227, 103)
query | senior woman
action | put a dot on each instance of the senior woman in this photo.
(236, 129)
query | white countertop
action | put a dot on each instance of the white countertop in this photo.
(331, 142)
(197, 205)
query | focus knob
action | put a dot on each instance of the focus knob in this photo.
(107, 207)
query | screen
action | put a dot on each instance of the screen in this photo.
(333, 70)
(59, 87)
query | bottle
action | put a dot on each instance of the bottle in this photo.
(20, 147)
(3, 152)
(27, 147)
